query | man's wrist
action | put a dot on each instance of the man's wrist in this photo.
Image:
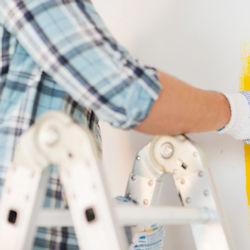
(238, 125)
(226, 112)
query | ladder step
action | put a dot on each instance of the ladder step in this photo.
(131, 215)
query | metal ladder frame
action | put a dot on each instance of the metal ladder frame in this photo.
(57, 139)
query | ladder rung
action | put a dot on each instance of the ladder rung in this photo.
(131, 215)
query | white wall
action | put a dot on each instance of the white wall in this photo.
(199, 42)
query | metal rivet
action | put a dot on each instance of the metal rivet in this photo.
(167, 150)
(206, 192)
(67, 172)
(87, 163)
(184, 166)
(200, 174)
(32, 174)
(51, 136)
(133, 177)
(150, 183)
(179, 162)
(145, 202)
(138, 157)
(188, 200)
(195, 154)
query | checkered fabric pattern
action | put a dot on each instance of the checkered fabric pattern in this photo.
(58, 55)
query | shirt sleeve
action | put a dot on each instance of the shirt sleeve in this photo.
(70, 42)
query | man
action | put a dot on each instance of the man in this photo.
(58, 55)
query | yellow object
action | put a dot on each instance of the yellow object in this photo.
(245, 85)
(247, 160)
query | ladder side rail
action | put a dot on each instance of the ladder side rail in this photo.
(144, 186)
(75, 153)
(185, 161)
(22, 196)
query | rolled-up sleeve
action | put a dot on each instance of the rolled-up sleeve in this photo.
(70, 42)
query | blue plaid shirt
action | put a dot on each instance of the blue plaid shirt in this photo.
(58, 55)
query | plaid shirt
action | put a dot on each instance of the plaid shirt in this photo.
(58, 55)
